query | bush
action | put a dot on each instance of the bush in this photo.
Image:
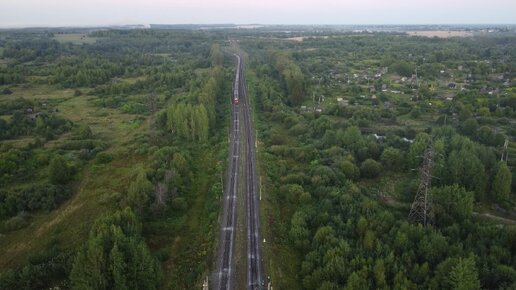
(391, 158)
(31, 198)
(370, 168)
(83, 132)
(59, 170)
(17, 222)
(103, 157)
(349, 169)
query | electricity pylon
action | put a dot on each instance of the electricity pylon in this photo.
(421, 210)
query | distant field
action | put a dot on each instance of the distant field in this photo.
(301, 38)
(440, 33)
(76, 38)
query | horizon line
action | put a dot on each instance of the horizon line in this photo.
(148, 25)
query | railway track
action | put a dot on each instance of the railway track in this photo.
(254, 261)
(225, 262)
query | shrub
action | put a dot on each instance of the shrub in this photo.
(370, 168)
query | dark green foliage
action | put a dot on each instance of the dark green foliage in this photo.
(355, 235)
(464, 276)
(104, 157)
(48, 269)
(33, 197)
(84, 132)
(291, 75)
(59, 170)
(140, 191)
(403, 68)
(470, 127)
(349, 169)
(391, 158)
(115, 256)
(453, 202)
(417, 149)
(38, 123)
(370, 168)
(15, 164)
(464, 167)
(501, 187)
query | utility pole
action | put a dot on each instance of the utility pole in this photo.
(421, 210)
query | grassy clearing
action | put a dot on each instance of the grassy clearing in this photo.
(71, 222)
(97, 187)
(37, 92)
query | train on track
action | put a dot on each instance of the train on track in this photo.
(237, 82)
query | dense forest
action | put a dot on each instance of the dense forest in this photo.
(113, 144)
(342, 162)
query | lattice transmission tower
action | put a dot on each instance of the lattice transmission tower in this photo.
(421, 211)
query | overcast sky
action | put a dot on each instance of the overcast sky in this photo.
(102, 12)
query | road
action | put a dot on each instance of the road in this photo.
(241, 114)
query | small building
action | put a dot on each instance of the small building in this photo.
(341, 102)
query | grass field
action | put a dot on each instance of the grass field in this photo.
(441, 33)
(96, 188)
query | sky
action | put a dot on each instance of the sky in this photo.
(23, 13)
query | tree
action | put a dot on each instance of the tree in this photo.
(464, 275)
(357, 281)
(391, 158)
(139, 192)
(217, 57)
(349, 169)
(485, 135)
(84, 132)
(403, 68)
(370, 168)
(369, 239)
(470, 127)
(417, 149)
(59, 170)
(501, 187)
(351, 136)
(454, 201)
(464, 168)
(379, 274)
(115, 256)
